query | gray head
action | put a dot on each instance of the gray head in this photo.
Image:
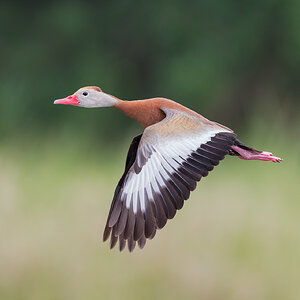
(89, 96)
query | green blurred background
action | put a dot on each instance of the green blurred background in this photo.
(237, 62)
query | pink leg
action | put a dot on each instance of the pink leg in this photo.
(251, 155)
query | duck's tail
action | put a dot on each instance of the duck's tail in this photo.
(248, 153)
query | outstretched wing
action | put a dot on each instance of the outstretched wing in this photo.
(163, 166)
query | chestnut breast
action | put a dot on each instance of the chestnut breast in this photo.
(148, 112)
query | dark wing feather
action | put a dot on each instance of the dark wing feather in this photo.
(131, 155)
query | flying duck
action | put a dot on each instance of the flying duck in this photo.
(177, 148)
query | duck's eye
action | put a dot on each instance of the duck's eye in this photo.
(85, 93)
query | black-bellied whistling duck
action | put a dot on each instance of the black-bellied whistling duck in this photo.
(177, 148)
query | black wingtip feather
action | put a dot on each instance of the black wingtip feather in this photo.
(130, 223)
(139, 226)
(114, 216)
(131, 244)
(150, 221)
(142, 242)
(121, 224)
(122, 242)
(113, 241)
(106, 233)
(161, 218)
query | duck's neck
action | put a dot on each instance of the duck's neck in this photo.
(146, 112)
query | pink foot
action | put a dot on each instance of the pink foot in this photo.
(251, 155)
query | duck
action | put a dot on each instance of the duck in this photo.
(164, 164)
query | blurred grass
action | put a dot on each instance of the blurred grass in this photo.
(236, 238)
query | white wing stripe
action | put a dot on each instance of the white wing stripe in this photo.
(135, 193)
(142, 192)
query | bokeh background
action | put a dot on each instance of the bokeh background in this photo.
(237, 62)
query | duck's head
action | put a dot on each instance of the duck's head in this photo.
(89, 96)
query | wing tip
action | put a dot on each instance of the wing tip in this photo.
(106, 233)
